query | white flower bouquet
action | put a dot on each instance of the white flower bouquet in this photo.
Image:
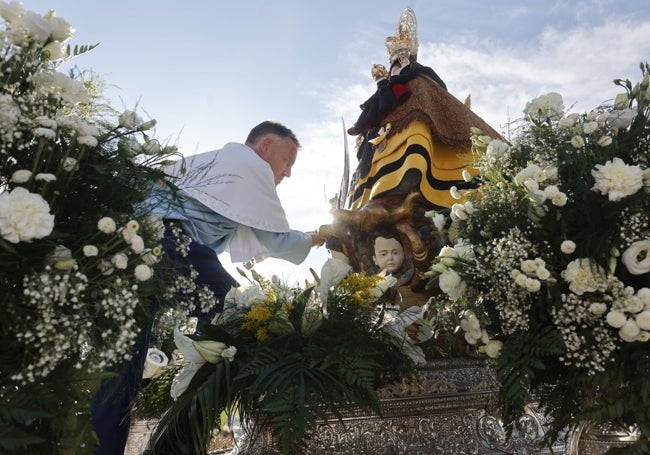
(548, 268)
(281, 362)
(77, 255)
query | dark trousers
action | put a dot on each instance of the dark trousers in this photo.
(111, 406)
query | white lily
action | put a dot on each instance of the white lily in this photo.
(195, 355)
(396, 324)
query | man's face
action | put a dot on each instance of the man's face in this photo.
(281, 154)
(389, 254)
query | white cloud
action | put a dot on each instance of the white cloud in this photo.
(580, 63)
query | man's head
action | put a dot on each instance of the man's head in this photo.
(388, 252)
(277, 145)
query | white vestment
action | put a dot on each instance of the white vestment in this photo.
(237, 183)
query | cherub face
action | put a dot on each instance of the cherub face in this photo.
(389, 254)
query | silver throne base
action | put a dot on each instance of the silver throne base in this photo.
(450, 408)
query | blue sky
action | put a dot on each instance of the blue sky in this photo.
(210, 70)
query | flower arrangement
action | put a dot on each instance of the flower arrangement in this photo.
(78, 257)
(285, 359)
(548, 269)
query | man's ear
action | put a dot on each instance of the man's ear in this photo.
(264, 146)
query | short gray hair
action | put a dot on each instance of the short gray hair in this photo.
(270, 127)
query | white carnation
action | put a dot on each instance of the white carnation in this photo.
(617, 179)
(25, 216)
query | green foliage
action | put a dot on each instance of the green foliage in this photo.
(287, 380)
(549, 276)
(79, 49)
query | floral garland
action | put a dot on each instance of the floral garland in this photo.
(550, 264)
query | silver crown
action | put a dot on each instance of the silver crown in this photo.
(405, 42)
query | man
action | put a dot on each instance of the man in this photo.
(227, 200)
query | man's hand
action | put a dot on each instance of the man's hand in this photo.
(316, 239)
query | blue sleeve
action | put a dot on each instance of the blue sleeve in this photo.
(292, 246)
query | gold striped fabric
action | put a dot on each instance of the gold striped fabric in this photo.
(412, 151)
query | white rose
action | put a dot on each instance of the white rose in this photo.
(577, 142)
(568, 246)
(496, 149)
(473, 322)
(621, 118)
(120, 261)
(25, 216)
(589, 127)
(106, 225)
(629, 331)
(129, 120)
(528, 266)
(643, 336)
(90, 250)
(448, 256)
(154, 363)
(451, 284)
(559, 200)
(477, 334)
(549, 106)
(616, 319)
(605, 141)
(61, 29)
(137, 244)
(644, 295)
(633, 304)
(470, 339)
(643, 320)
(598, 308)
(569, 120)
(142, 272)
(521, 279)
(493, 348)
(636, 257)
(542, 273)
(21, 176)
(127, 233)
(531, 185)
(36, 26)
(551, 191)
(533, 285)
